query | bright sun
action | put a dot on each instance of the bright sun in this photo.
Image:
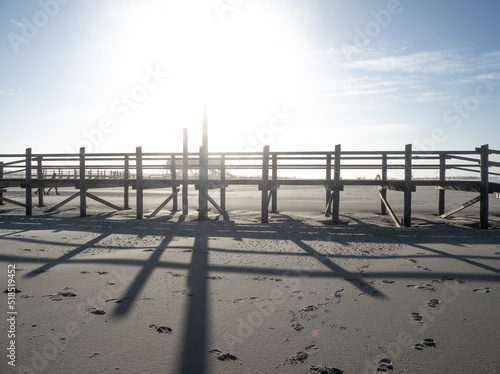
(241, 66)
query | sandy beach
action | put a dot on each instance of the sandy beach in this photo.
(109, 293)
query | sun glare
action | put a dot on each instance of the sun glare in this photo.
(240, 67)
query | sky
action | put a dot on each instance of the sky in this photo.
(295, 75)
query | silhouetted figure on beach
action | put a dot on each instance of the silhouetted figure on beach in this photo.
(53, 177)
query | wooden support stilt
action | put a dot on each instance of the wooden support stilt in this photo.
(274, 191)
(328, 178)
(162, 205)
(139, 183)
(214, 203)
(55, 207)
(461, 207)
(39, 173)
(407, 192)
(383, 191)
(388, 207)
(336, 187)
(14, 202)
(102, 201)
(264, 218)
(484, 202)
(173, 171)
(223, 180)
(1, 190)
(83, 187)
(126, 176)
(203, 185)
(29, 200)
(185, 172)
(442, 178)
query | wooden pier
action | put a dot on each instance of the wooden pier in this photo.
(208, 171)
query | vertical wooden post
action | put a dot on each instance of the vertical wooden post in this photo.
(328, 178)
(336, 187)
(83, 189)
(484, 198)
(29, 201)
(39, 174)
(202, 185)
(442, 178)
(126, 176)
(407, 193)
(223, 180)
(383, 192)
(139, 183)
(173, 169)
(1, 177)
(274, 192)
(264, 218)
(185, 171)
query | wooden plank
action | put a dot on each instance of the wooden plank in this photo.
(102, 201)
(328, 179)
(126, 187)
(264, 217)
(185, 172)
(442, 178)
(39, 173)
(461, 207)
(173, 172)
(484, 201)
(203, 185)
(1, 177)
(162, 205)
(336, 187)
(13, 202)
(383, 191)
(82, 186)
(29, 201)
(139, 183)
(408, 186)
(389, 209)
(223, 181)
(328, 209)
(55, 207)
(274, 191)
(214, 203)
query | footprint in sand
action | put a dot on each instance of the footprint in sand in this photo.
(161, 329)
(425, 343)
(433, 303)
(423, 268)
(296, 325)
(413, 260)
(427, 287)
(96, 311)
(325, 370)
(223, 356)
(417, 317)
(297, 358)
(312, 346)
(384, 365)
(483, 289)
(388, 281)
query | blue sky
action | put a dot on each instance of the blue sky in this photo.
(297, 75)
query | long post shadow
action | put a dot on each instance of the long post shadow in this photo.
(141, 279)
(196, 322)
(66, 257)
(340, 272)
